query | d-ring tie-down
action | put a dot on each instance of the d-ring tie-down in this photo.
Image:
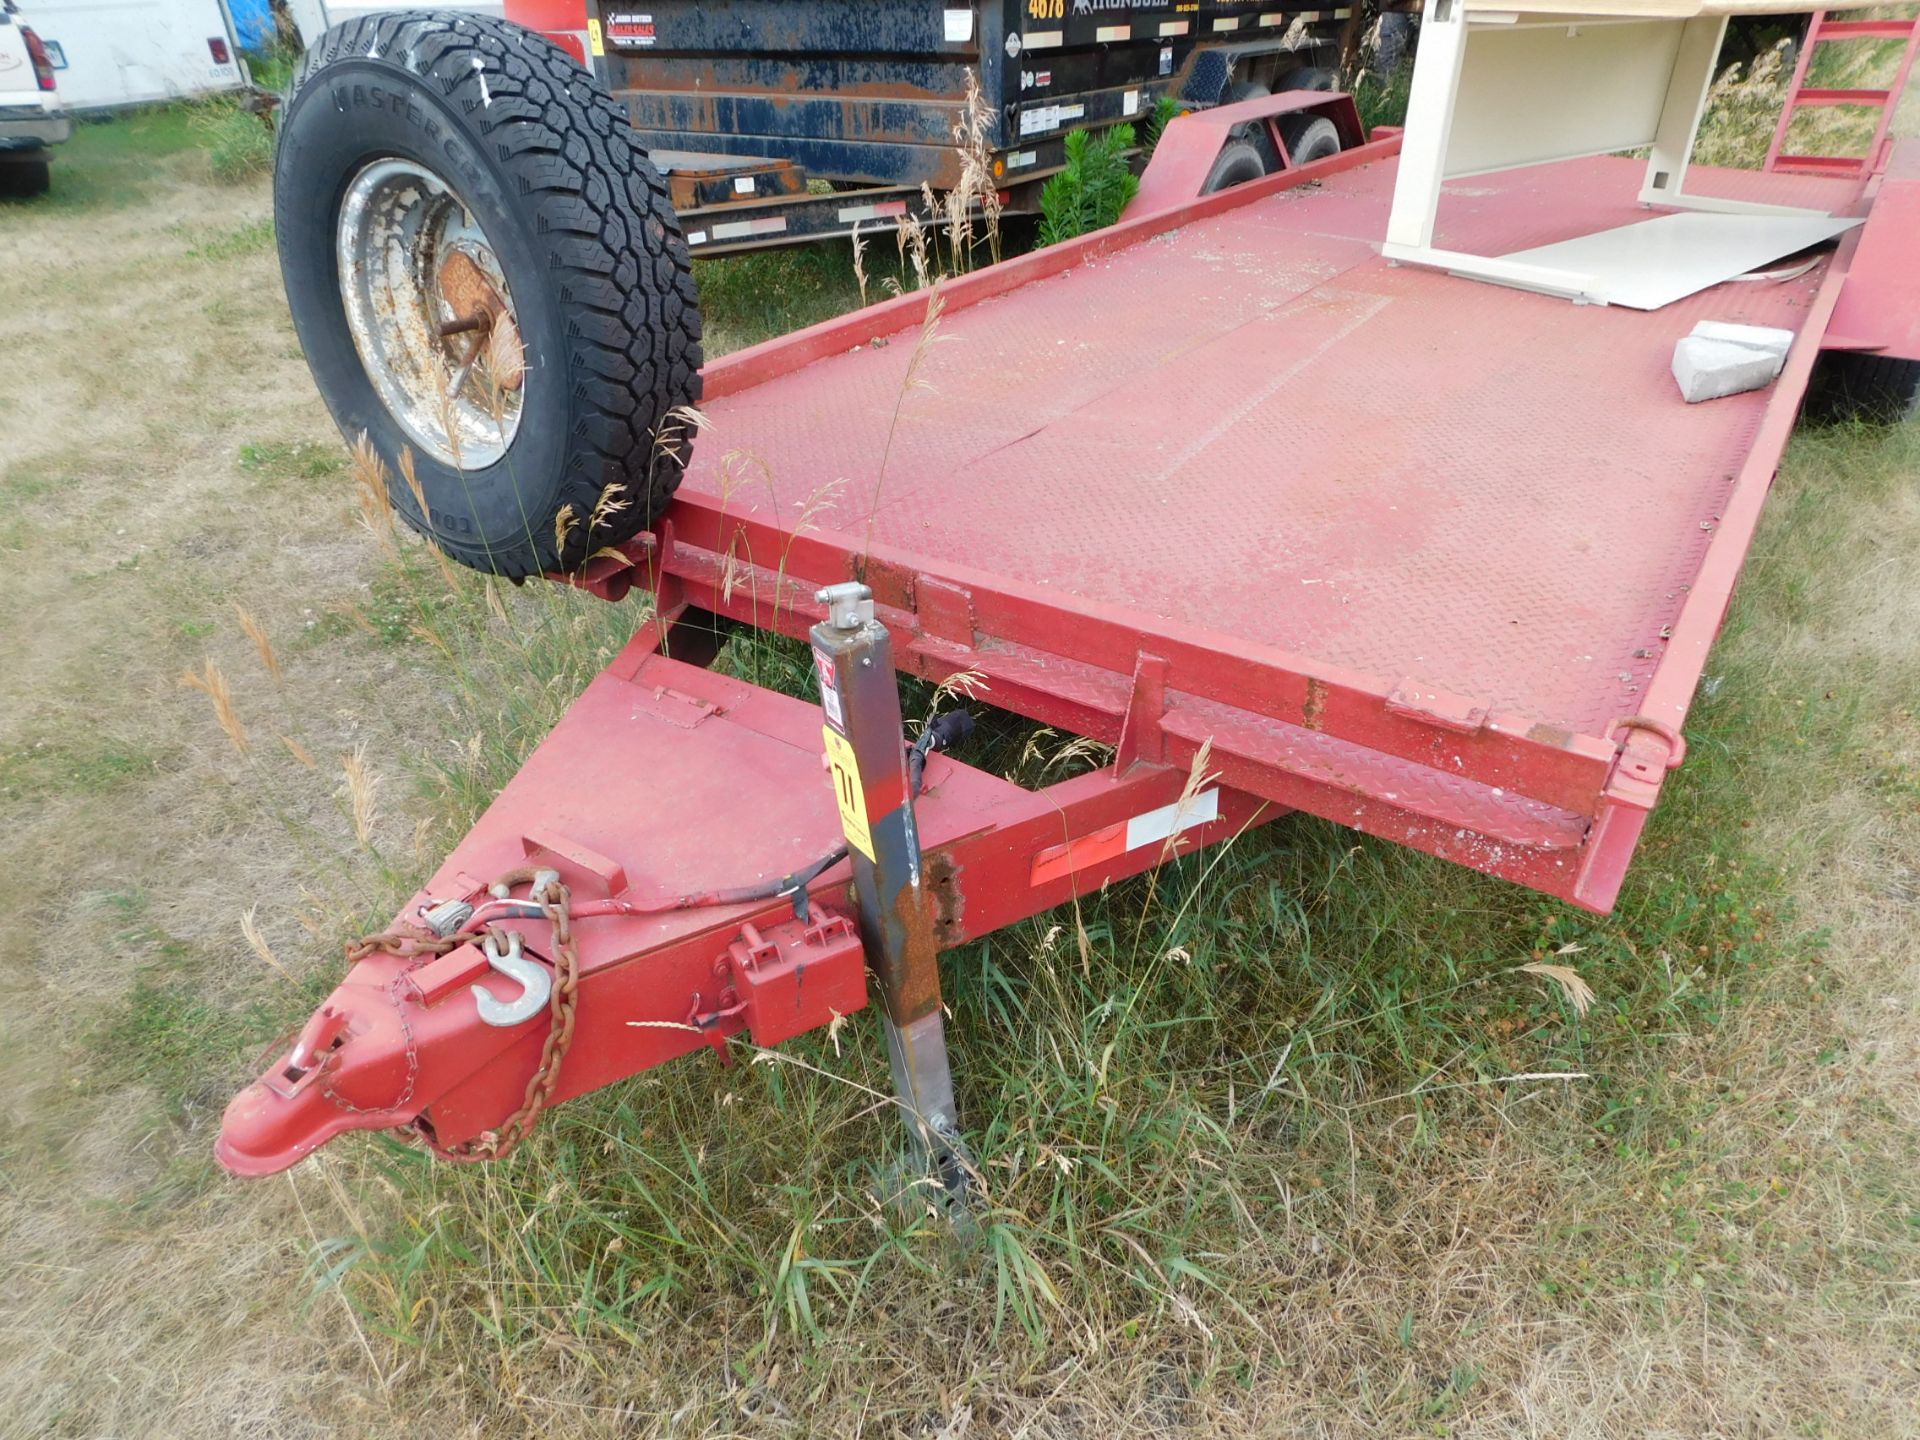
(1676, 742)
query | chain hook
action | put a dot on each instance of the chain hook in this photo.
(536, 984)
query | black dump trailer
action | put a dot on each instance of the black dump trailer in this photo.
(749, 105)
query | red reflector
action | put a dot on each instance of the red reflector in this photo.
(221, 55)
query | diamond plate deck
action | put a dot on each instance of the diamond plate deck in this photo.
(1252, 435)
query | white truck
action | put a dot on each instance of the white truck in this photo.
(111, 53)
(32, 119)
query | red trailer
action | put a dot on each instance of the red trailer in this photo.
(1289, 526)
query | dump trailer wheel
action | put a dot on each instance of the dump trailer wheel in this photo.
(1254, 133)
(1309, 137)
(1852, 385)
(489, 283)
(1238, 162)
(1306, 77)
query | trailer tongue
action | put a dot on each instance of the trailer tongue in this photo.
(731, 797)
(1288, 526)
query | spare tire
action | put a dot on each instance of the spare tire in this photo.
(489, 283)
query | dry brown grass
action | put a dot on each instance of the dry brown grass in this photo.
(143, 1296)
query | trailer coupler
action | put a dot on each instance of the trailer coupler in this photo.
(410, 1043)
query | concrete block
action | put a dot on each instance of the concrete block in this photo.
(1754, 337)
(1721, 359)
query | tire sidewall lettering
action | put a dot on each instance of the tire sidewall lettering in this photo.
(439, 138)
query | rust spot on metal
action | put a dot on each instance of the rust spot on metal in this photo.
(467, 289)
(1550, 735)
(949, 901)
(892, 586)
(482, 310)
(1316, 703)
(916, 991)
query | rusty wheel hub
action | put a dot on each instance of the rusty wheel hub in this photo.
(430, 313)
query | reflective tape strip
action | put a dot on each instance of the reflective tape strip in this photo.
(1105, 846)
(884, 209)
(1044, 39)
(1169, 820)
(740, 229)
(1230, 22)
(1112, 32)
(1174, 27)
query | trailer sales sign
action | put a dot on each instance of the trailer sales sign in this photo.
(627, 31)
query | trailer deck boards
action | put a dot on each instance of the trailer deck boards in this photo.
(1255, 443)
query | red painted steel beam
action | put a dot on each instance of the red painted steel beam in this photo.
(1866, 29)
(1289, 765)
(1646, 756)
(1833, 96)
(1081, 654)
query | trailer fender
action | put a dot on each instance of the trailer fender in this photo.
(1185, 162)
(1879, 305)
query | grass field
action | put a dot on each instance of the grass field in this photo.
(1251, 1158)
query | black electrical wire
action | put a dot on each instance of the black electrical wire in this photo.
(942, 732)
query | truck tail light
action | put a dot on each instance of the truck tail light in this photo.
(217, 47)
(37, 53)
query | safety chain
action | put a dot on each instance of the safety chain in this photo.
(408, 941)
(493, 1144)
(413, 1063)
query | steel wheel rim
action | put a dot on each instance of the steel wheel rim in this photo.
(415, 266)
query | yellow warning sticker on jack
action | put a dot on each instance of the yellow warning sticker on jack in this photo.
(594, 41)
(849, 792)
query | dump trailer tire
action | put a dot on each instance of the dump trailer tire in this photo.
(1238, 162)
(489, 283)
(1875, 389)
(1306, 77)
(1254, 133)
(1309, 137)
